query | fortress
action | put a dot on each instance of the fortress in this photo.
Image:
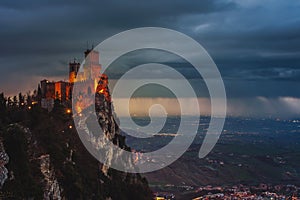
(88, 81)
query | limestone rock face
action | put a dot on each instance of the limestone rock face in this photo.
(44, 158)
(52, 188)
(111, 134)
(4, 159)
(106, 141)
(102, 141)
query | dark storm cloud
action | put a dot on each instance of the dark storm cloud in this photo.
(252, 42)
(34, 25)
(256, 34)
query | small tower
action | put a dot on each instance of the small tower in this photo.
(73, 70)
(91, 66)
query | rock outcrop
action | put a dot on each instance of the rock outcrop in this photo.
(3, 161)
(47, 159)
(52, 189)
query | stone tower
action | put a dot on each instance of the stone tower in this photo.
(91, 66)
(73, 70)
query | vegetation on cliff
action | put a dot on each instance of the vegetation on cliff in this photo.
(30, 132)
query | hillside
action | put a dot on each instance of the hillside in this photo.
(48, 161)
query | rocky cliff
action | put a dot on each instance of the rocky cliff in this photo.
(47, 160)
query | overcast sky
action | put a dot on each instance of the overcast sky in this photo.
(255, 44)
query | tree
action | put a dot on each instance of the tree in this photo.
(15, 102)
(39, 94)
(9, 102)
(29, 98)
(57, 96)
(35, 95)
(3, 102)
(21, 100)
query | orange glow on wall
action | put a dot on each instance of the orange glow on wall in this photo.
(58, 89)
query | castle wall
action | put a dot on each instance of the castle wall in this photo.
(86, 82)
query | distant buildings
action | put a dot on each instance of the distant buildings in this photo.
(49, 91)
(86, 82)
